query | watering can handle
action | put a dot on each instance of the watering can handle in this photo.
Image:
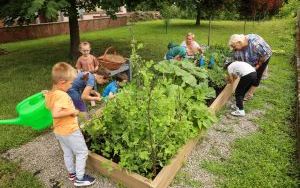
(15, 121)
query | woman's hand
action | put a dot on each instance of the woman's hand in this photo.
(257, 66)
(259, 63)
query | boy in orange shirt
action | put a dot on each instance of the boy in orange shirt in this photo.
(86, 62)
(65, 124)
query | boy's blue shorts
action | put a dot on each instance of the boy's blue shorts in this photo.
(80, 105)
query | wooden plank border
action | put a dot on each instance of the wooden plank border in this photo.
(224, 96)
(116, 173)
(167, 174)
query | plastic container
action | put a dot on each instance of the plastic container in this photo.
(211, 62)
(32, 113)
(201, 62)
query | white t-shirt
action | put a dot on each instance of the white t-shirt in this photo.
(240, 68)
(194, 45)
(193, 48)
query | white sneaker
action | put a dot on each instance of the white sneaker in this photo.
(238, 113)
(85, 181)
(234, 107)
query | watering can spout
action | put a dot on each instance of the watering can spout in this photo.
(15, 121)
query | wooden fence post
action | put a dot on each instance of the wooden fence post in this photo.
(297, 59)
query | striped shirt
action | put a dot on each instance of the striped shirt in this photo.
(257, 48)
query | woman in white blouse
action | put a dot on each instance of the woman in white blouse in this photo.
(192, 47)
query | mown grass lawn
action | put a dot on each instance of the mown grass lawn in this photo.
(26, 70)
(266, 158)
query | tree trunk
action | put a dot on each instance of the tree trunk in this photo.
(74, 30)
(167, 25)
(209, 32)
(198, 15)
(42, 17)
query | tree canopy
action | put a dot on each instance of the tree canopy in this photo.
(258, 9)
(289, 8)
(24, 11)
(202, 8)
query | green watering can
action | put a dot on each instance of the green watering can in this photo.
(32, 113)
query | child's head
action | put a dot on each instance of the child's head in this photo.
(85, 48)
(102, 76)
(121, 79)
(63, 75)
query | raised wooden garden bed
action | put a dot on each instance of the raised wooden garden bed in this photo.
(166, 175)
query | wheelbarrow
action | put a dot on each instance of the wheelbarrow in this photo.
(32, 113)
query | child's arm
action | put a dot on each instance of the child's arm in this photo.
(231, 78)
(58, 112)
(78, 65)
(96, 63)
(96, 68)
(93, 92)
(111, 95)
(86, 94)
(178, 58)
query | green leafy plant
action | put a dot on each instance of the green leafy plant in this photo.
(217, 77)
(216, 73)
(143, 127)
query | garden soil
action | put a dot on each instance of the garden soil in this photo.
(44, 158)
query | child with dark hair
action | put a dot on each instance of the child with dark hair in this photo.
(175, 52)
(112, 88)
(83, 88)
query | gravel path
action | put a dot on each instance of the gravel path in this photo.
(215, 146)
(43, 156)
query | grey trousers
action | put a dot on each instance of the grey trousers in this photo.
(74, 145)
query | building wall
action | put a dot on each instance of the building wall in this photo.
(17, 33)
